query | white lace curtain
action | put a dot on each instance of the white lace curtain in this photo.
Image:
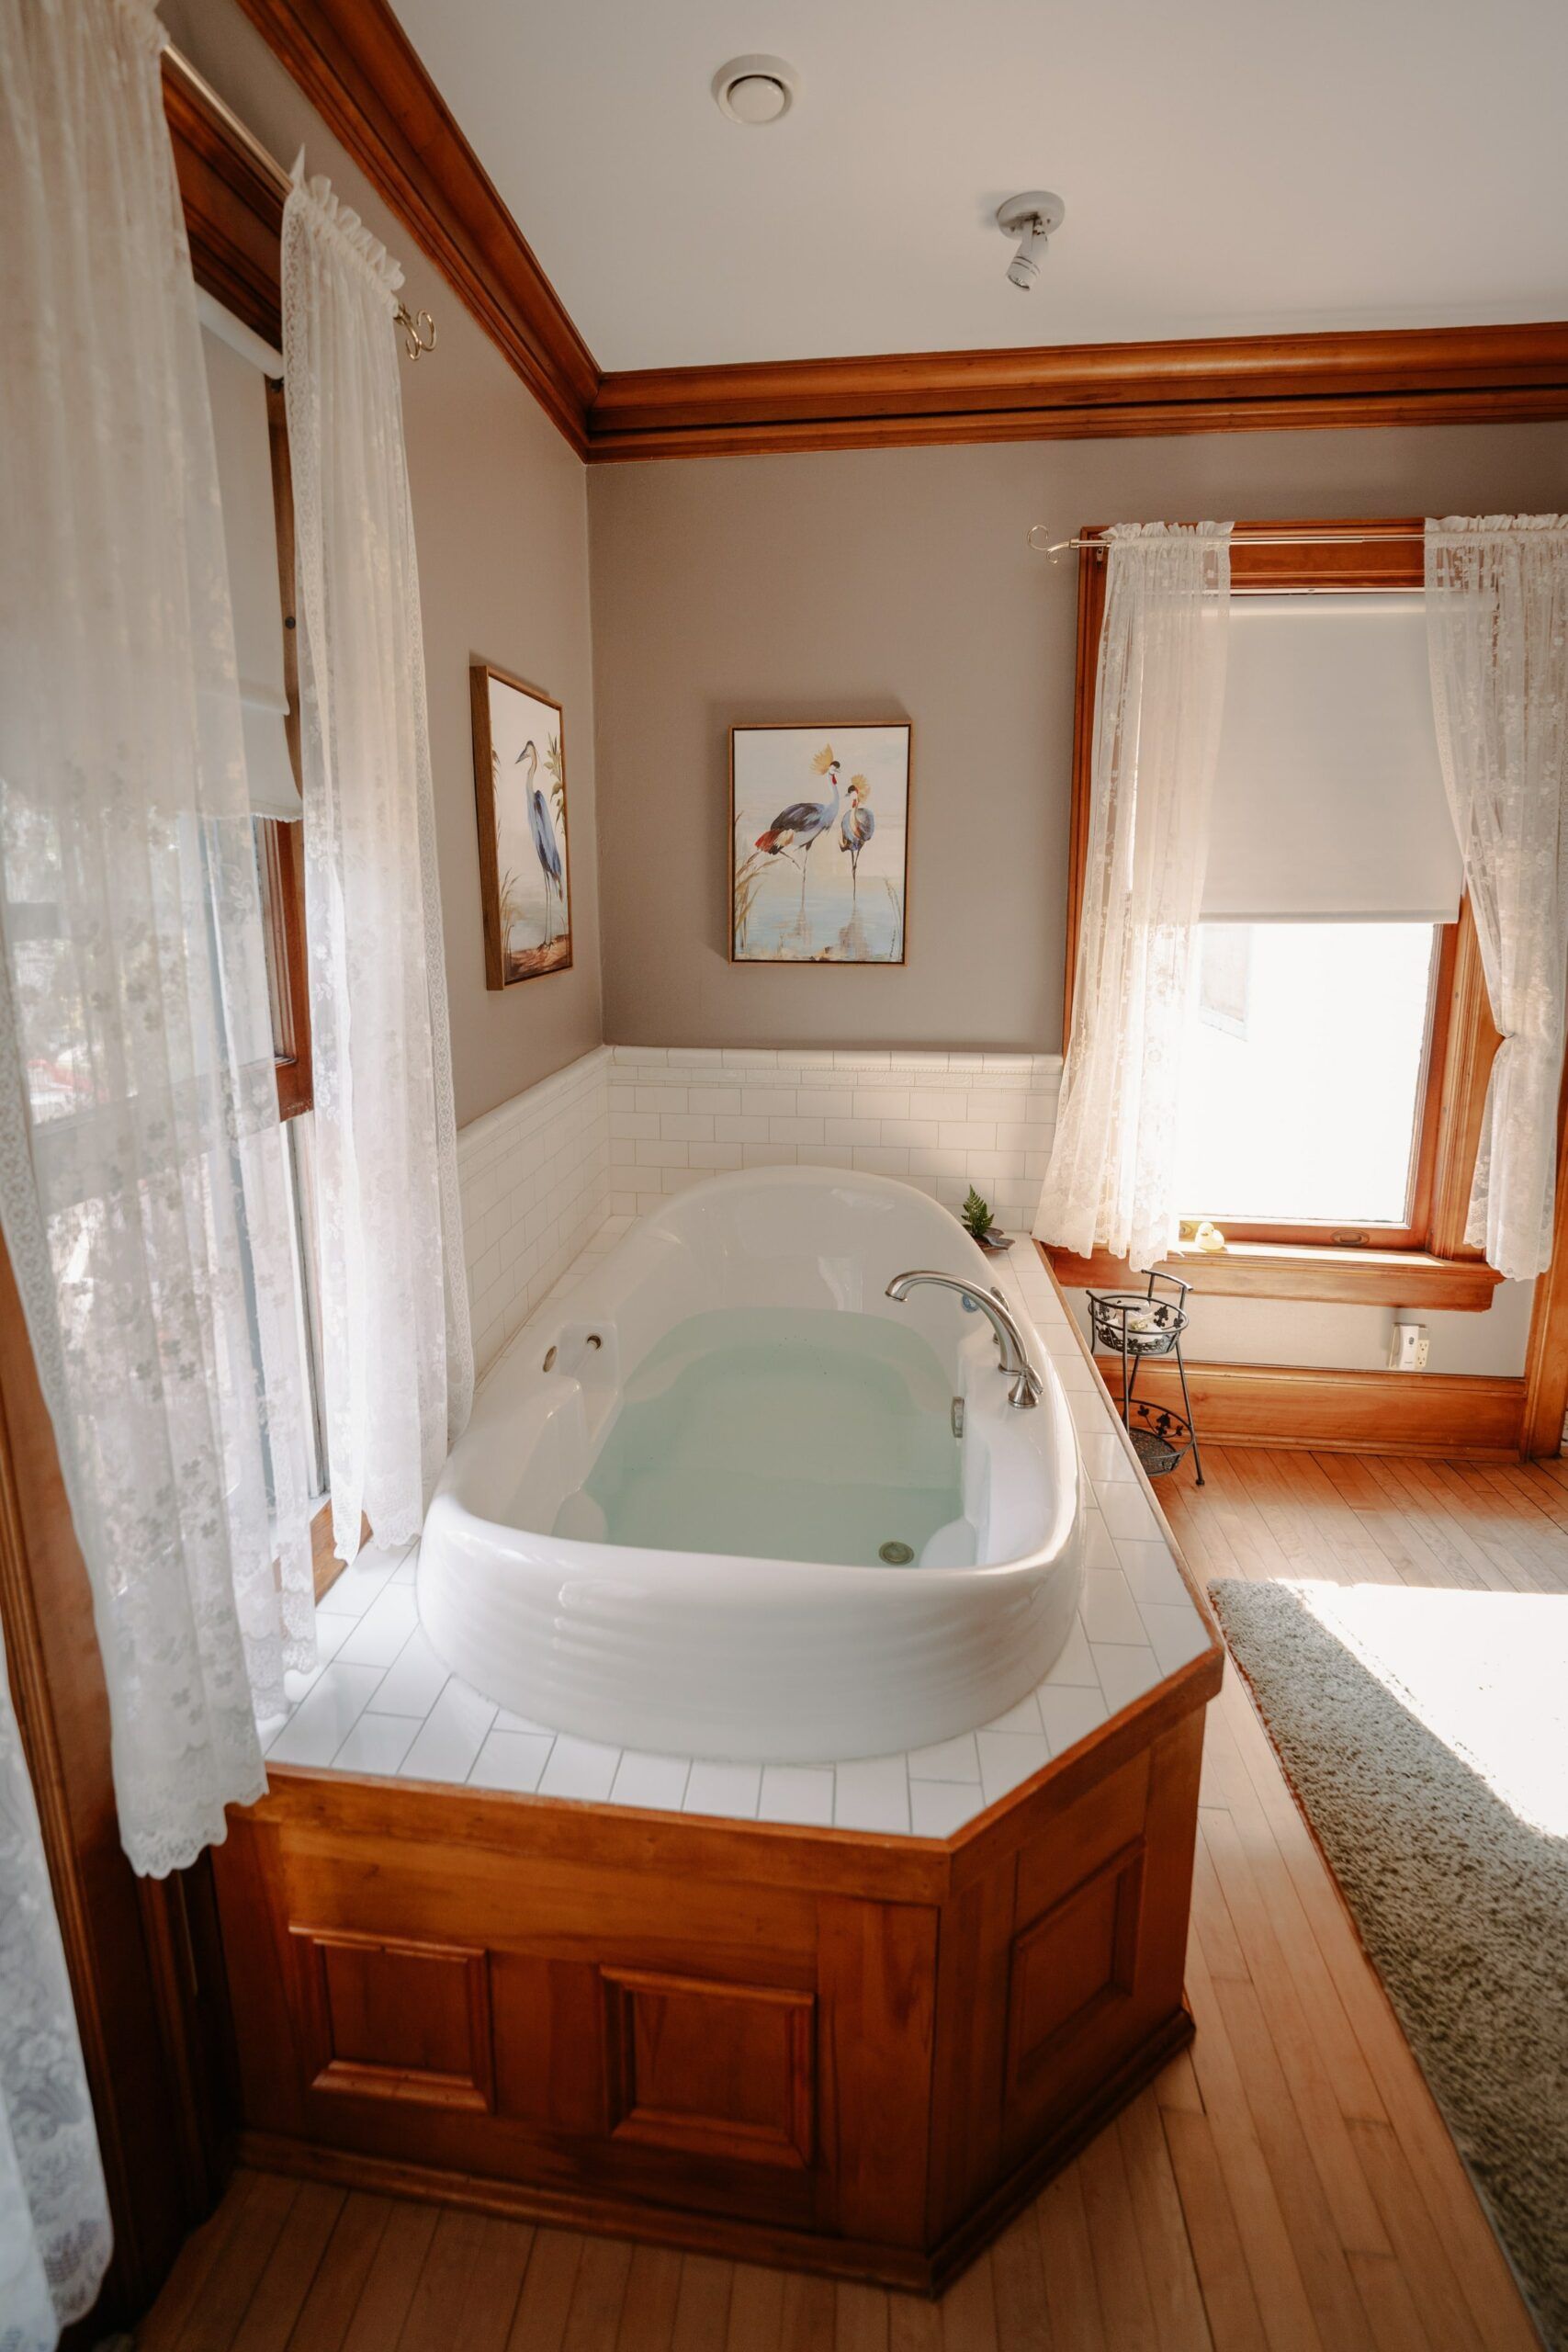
(1497, 634)
(398, 1372)
(1158, 701)
(142, 1177)
(141, 1171)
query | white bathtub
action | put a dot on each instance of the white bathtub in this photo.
(731, 1382)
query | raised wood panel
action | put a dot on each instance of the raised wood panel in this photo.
(392, 2020)
(1072, 1965)
(1452, 1415)
(708, 2035)
(1084, 391)
(361, 72)
(711, 2069)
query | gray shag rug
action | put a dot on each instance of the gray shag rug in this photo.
(1461, 1892)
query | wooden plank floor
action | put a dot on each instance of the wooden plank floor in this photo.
(1288, 2184)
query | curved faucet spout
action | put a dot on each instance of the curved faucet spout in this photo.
(1012, 1353)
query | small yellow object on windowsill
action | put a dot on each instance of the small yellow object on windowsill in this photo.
(1208, 1237)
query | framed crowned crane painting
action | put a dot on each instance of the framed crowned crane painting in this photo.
(820, 844)
(520, 789)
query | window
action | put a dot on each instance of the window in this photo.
(1305, 1096)
(251, 435)
(1337, 1068)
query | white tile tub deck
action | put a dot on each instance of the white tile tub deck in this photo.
(381, 1702)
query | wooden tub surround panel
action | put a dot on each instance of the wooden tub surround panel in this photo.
(855, 2053)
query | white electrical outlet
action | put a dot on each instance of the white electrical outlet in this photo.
(1411, 1346)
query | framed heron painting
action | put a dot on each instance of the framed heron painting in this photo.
(820, 844)
(520, 790)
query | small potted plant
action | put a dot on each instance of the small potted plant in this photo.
(980, 1224)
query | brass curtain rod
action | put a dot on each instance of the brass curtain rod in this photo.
(1247, 539)
(418, 328)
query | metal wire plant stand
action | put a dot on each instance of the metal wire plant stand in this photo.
(1137, 1325)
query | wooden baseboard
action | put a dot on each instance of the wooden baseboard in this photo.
(1453, 1416)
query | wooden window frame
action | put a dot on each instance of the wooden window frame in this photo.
(1427, 1261)
(279, 847)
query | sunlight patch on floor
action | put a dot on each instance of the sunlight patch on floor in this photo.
(1486, 1672)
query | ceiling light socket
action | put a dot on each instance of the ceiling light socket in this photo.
(755, 91)
(1031, 219)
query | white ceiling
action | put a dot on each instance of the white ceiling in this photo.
(1229, 166)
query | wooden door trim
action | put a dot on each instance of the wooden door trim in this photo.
(1546, 1352)
(1079, 392)
(359, 69)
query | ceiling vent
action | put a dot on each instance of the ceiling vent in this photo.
(755, 90)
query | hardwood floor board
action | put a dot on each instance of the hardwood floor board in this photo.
(1445, 1518)
(1175, 2090)
(603, 2273)
(1435, 2290)
(969, 2311)
(702, 2308)
(811, 2318)
(1230, 2306)
(1303, 1908)
(1318, 2254)
(756, 2309)
(1174, 2294)
(341, 2274)
(862, 2317)
(1283, 2299)
(648, 2312)
(549, 2282)
(1389, 2306)
(1279, 2034)
(291, 2269)
(1210, 1909)
(1018, 2282)
(1072, 2293)
(393, 2275)
(429, 2322)
(197, 2260)
(1114, 2239)
(218, 2313)
(1350, 1479)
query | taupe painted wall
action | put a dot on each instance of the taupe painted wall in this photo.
(896, 584)
(499, 509)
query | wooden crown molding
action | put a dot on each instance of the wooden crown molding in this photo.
(1082, 391)
(359, 69)
(361, 72)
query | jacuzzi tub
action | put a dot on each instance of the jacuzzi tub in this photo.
(602, 1551)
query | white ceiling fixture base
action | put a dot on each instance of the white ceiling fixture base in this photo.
(755, 90)
(1031, 219)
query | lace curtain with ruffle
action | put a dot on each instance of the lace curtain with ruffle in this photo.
(141, 1178)
(398, 1366)
(1497, 635)
(1156, 725)
(141, 1171)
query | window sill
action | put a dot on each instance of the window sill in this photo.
(1270, 1270)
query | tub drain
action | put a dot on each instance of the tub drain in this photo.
(898, 1556)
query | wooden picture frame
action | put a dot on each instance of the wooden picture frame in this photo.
(870, 768)
(525, 837)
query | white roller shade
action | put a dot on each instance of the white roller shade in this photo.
(1328, 799)
(238, 390)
